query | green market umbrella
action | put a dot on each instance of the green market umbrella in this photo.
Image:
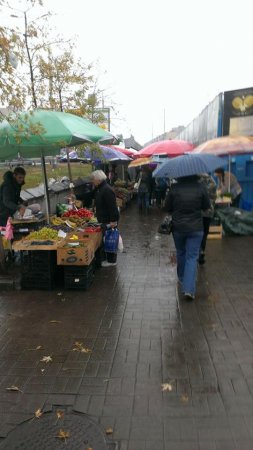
(30, 133)
(45, 132)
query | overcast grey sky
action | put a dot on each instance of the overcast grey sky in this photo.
(172, 54)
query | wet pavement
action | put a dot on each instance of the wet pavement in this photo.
(142, 335)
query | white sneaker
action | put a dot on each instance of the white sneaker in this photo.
(108, 264)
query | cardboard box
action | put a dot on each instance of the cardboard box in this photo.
(81, 255)
(96, 238)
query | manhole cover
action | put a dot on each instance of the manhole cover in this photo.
(80, 431)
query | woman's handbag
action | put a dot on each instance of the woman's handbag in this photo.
(166, 226)
(111, 240)
(137, 184)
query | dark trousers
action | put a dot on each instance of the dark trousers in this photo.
(111, 257)
(236, 201)
(206, 226)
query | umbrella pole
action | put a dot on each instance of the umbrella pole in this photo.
(229, 171)
(45, 186)
(69, 167)
(70, 175)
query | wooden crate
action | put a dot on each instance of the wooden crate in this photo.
(81, 255)
(215, 232)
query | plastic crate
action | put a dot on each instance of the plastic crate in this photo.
(39, 270)
(76, 277)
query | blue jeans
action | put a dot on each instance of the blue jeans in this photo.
(187, 246)
(143, 200)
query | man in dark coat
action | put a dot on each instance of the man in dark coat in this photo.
(10, 200)
(106, 208)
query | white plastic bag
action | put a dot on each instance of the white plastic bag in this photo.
(120, 244)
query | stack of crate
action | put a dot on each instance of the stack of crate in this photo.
(39, 270)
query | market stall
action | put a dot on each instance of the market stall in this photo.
(124, 191)
(64, 253)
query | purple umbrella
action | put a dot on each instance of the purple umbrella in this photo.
(105, 154)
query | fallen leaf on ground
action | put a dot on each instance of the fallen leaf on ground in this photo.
(184, 398)
(46, 359)
(37, 348)
(167, 387)
(55, 321)
(63, 435)
(109, 430)
(42, 370)
(13, 388)
(38, 413)
(80, 348)
(89, 448)
(60, 414)
(59, 293)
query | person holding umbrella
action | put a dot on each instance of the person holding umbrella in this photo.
(185, 202)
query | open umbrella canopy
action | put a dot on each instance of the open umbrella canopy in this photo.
(187, 165)
(140, 162)
(226, 145)
(31, 133)
(104, 153)
(129, 152)
(171, 148)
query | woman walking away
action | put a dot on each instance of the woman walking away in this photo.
(106, 209)
(210, 186)
(228, 183)
(143, 183)
(185, 202)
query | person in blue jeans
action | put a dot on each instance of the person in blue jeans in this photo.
(185, 202)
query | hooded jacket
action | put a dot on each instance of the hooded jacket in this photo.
(106, 207)
(9, 197)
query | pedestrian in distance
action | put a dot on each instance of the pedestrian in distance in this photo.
(106, 209)
(228, 183)
(143, 189)
(185, 202)
(208, 215)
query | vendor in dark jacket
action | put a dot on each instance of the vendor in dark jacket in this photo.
(106, 208)
(186, 201)
(10, 200)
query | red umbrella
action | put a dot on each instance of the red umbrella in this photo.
(227, 145)
(125, 151)
(170, 148)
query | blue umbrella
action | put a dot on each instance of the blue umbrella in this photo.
(187, 165)
(105, 154)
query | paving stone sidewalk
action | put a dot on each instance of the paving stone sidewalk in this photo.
(141, 335)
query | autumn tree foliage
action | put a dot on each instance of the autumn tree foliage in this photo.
(38, 68)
